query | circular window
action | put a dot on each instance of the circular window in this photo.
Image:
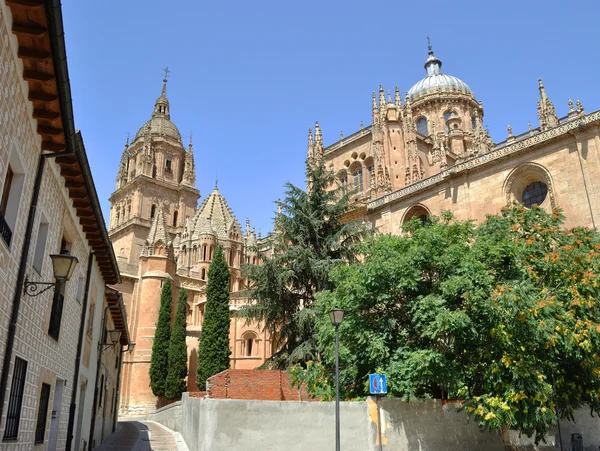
(534, 194)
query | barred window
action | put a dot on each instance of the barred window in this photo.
(13, 415)
(40, 428)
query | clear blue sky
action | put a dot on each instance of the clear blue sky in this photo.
(249, 78)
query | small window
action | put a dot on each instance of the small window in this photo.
(535, 194)
(248, 344)
(422, 126)
(152, 211)
(358, 180)
(344, 183)
(473, 123)
(203, 274)
(12, 187)
(168, 164)
(40, 245)
(40, 428)
(79, 295)
(15, 401)
(90, 320)
(154, 171)
(175, 214)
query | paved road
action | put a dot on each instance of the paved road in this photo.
(142, 436)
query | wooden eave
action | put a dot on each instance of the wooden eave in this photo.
(37, 25)
(117, 313)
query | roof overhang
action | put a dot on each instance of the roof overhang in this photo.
(38, 26)
(118, 313)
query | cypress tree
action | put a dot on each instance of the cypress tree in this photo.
(175, 384)
(159, 362)
(213, 348)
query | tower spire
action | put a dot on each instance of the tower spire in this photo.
(546, 112)
(161, 107)
(433, 65)
(189, 169)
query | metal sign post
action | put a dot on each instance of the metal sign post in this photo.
(378, 387)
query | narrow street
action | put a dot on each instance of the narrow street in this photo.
(142, 436)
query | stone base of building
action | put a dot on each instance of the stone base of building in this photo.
(139, 410)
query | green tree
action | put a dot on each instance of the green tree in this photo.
(313, 234)
(213, 348)
(159, 361)
(503, 316)
(175, 383)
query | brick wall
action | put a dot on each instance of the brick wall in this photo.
(261, 385)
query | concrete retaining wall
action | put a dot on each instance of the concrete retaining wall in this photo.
(169, 416)
(219, 424)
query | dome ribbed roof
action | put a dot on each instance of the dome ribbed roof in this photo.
(214, 217)
(436, 81)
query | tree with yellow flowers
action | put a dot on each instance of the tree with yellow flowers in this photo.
(503, 315)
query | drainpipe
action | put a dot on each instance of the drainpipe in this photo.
(98, 368)
(16, 302)
(78, 355)
(118, 392)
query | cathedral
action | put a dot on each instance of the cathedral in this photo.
(429, 153)
(424, 153)
(158, 232)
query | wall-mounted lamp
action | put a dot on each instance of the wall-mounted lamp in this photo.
(63, 266)
(130, 346)
(113, 337)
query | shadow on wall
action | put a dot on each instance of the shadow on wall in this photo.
(192, 368)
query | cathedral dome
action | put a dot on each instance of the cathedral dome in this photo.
(436, 81)
(214, 217)
(160, 124)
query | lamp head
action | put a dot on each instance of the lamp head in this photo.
(63, 266)
(336, 316)
(115, 336)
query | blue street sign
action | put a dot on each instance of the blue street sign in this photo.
(378, 384)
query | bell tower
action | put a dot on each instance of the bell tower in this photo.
(156, 173)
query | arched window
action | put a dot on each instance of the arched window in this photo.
(446, 117)
(154, 171)
(249, 347)
(203, 274)
(473, 122)
(422, 126)
(358, 180)
(175, 218)
(204, 252)
(344, 181)
(419, 212)
(118, 217)
(152, 211)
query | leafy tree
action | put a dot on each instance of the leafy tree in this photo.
(503, 316)
(159, 362)
(312, 236)
(213, 349)
(175, 383)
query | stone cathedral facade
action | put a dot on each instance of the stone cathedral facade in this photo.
(429, 152)
(159, 232)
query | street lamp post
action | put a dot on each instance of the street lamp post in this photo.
(337, 315)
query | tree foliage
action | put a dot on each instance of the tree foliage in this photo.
(175, 383)
(504, 316)
(310, 239)
(213, 349)
(159, 361)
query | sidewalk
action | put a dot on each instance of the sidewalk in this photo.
(142, 436)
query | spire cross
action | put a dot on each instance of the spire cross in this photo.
(167, 72)
(428, 43)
